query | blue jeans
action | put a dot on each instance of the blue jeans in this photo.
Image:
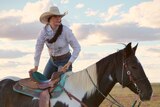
(52, 66)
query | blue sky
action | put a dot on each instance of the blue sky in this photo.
(99, 25)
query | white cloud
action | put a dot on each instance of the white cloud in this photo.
(151, 52)
(130, 26)
(91, 12)
(30, 13)
(22, 46)
(94, 39)
(64, 1)
(79, 31)
(145, 14)
(12, 53)
(112, 11)
(149, 59)
(12, 13)
(79, 5)
(19, 66)
(17, 26)
(11, 64)
(97, 33)
(23, 24)
(15, 31)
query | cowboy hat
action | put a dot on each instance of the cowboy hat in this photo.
(52, 11)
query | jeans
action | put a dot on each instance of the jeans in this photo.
(52, 66)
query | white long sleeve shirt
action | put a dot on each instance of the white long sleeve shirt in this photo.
(60, 47)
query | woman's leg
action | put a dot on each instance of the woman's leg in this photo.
(50, 68)
(48, 71)
(44, 100)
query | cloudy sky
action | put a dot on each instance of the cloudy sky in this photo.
(99, 25)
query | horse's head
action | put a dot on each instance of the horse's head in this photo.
(132, 74)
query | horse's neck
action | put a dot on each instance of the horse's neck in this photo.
(81, 80)
(106, 77)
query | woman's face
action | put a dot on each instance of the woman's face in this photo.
(55, 20)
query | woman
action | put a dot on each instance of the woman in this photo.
(57, 37)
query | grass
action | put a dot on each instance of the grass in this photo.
(127, 98)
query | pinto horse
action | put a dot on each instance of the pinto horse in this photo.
(90, 85)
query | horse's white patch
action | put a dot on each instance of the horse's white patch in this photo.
(110, 78)
(78, 84)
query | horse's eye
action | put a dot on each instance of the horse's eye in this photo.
(134, 67)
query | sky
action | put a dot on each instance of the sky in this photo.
(101, 27)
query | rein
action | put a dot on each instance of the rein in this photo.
(115, 101)
(72, 96)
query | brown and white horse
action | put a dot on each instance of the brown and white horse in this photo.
(91, 84)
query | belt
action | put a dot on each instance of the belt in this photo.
(61, 57)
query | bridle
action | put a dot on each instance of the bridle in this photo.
(132, 80)
(130, 76)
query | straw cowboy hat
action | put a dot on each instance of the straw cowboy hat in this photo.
(52, 11)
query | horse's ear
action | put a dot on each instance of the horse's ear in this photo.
(128, 50)
(135, 48)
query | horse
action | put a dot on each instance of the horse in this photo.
(92, 84)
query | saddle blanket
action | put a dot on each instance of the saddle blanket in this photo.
(33, 92)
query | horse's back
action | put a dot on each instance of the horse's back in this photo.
(9, 98)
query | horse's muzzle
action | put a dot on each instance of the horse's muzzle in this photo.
(146, 96)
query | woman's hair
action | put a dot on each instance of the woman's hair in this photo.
(49, 18)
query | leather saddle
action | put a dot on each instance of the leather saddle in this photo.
(39, 81)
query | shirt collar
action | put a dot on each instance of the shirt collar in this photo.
(49, 29)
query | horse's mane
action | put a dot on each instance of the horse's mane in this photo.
(82, 81)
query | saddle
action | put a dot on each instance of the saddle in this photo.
(39, 81)
(34, 85)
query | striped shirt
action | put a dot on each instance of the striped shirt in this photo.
(60, 47)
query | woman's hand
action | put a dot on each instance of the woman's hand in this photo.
(66, 67)
(33, 70)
